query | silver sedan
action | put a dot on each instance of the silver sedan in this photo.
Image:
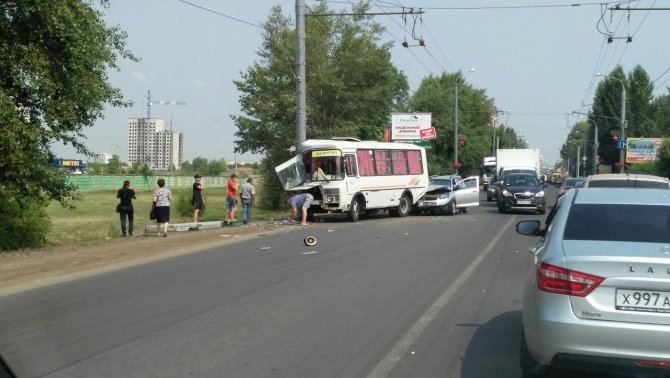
(597, 297)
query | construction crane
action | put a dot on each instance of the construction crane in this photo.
(149, 103)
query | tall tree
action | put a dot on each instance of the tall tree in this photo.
(54, 59)
(607, 112)
(436, 95)
(352, 87)
(640, 100)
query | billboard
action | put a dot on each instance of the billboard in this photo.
(411, 126)
(642, 150)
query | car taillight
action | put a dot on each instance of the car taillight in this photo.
(656, 364)
(564, 281)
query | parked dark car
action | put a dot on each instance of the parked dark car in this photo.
(521, 191)
(491, 190)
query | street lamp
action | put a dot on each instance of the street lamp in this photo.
(595, 141)
(456, 165)
(622, 132)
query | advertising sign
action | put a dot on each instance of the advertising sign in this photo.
(427, 134)
(642, 150)
(409, 126)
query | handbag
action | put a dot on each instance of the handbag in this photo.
(118, 207)
(152, 213)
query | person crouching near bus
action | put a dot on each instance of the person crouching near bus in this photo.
(162, 198)
(303, 201)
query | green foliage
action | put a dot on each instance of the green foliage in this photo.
(22, 224)
(352, 87)
(436, 95)
(114, 165)
(663, 163)
(182, 203)
(54, 60)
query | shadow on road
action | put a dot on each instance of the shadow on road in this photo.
(493, 350)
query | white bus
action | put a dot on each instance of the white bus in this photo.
(346, 175)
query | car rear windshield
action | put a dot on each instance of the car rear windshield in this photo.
(633, 223)
(628, 184)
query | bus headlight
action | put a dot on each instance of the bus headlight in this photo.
(331, 198)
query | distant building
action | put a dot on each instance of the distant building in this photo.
(150, 143)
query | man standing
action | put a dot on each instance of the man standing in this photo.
(302, 200)
(125, 208)
(197, 199)
(248, 197)
(231, 199)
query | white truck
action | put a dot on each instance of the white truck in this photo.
(517, 160)
(488, 170)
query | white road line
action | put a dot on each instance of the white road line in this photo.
(387, 364)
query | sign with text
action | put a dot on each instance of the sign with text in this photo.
(408, 126)
(642, 150)
(427, 134)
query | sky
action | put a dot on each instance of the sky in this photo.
(537, 59)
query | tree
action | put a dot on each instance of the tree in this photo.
(436, 95)
(640, 101)
(54, 59)
(114, 165)
(352, 87)
(607, 112)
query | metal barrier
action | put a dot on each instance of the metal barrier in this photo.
(96, 182)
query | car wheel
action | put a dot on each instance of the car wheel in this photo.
(529, 367)
(489, 199)
(452, 208)
(354, 210)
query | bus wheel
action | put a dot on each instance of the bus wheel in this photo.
(403, 209)
(354, 210)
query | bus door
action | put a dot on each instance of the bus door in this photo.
(351, 174)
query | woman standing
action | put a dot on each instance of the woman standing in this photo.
(162, 198)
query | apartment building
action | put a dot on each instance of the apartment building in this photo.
(149, 142)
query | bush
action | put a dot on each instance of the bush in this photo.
(22, 225)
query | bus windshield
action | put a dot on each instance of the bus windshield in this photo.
(323, 165)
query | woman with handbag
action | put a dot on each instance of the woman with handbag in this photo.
(162, 198)
(125, 207)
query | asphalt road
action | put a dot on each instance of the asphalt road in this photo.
(421, 296)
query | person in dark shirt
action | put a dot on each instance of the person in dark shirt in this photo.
(197, 199)
(125, 207)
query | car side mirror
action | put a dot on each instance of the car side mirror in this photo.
(529, 228)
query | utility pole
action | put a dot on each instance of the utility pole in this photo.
(301, 87)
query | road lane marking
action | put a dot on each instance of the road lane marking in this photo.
(386, 365)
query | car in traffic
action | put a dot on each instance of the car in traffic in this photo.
(597, 294)
(450, 193)
(492, 190)
(626, 180)
(570, 183)
(521, 191)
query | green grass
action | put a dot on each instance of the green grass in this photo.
(95, 218)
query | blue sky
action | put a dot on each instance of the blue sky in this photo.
(535, 58)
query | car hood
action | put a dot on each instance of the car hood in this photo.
(438, 188)
(519, 189)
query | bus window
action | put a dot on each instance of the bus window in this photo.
(366, 165)
(383, 162)
(350, 165)
(399, 161)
